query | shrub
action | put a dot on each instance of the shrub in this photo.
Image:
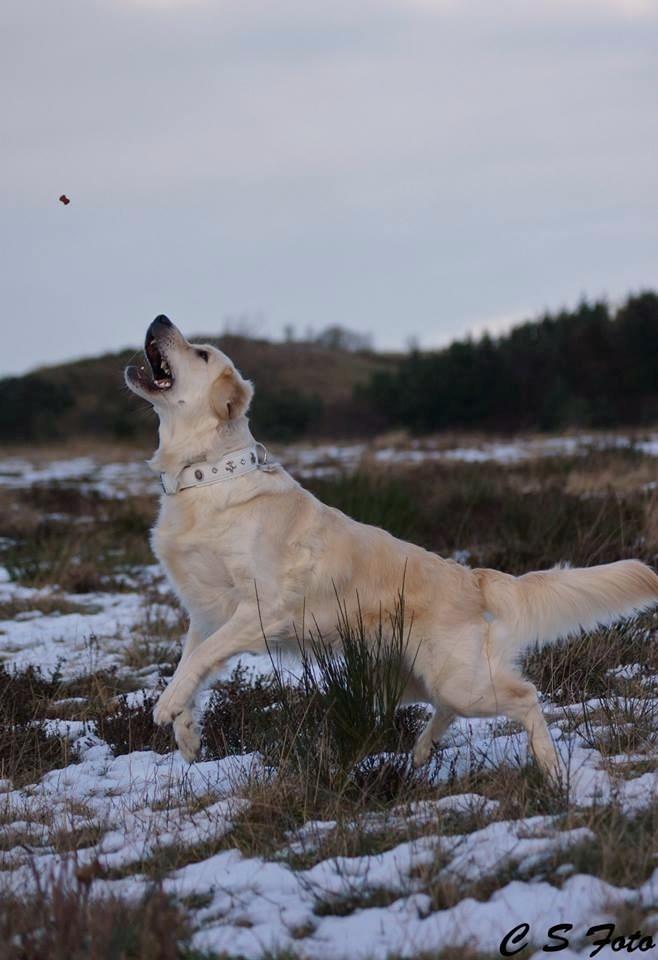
(130, 726)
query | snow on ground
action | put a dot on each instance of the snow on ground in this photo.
(95, 638)
(119, 479)
(135, 797)
(251, 906)
(127, 478)
(329, 459)
(70, 642)
(143, 802)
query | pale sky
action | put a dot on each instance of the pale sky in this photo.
(407, 168)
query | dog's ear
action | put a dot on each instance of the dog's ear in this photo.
(231, 394)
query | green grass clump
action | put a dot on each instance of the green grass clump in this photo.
(358, 679)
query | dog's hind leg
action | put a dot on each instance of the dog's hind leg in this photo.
(433, 731)
(518, 700)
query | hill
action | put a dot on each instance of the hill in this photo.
(301, 387)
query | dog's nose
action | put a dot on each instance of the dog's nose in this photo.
(158, 327)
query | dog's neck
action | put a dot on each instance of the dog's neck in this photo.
(181, 445)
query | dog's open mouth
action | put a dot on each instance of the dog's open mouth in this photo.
(163, 378)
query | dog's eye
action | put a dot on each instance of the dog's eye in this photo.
(203, 354)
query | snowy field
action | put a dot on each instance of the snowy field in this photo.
(476, 847)
(125, 477)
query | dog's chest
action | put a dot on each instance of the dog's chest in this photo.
(206, 563)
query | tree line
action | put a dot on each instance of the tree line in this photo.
(590, 367)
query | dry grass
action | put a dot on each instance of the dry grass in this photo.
(622, 850)
(157, 639)
(129, 727)
(580, 668)
(278, 808)
(48, 604)
(529, 515)
(621, 725)
(61, 921)
(59, 536)
(165, 859)
(27, 747)
(520, 790)
(29, 698)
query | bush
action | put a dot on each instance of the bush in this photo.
(130, 726)
(343, 706)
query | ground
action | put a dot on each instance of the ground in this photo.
(282, 840)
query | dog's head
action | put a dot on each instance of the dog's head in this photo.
(194, 380)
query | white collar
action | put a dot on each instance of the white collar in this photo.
(231, 465)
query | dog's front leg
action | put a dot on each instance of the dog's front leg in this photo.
(186, 729)
(241, 633)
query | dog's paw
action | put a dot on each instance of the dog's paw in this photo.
(166, 709)
(187, 736)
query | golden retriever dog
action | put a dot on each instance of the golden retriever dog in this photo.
(249, 552)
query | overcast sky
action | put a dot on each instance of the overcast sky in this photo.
(403, 167)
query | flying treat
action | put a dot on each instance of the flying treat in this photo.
(64, 199)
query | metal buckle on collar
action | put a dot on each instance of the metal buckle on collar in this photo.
(264, 464)
(166, 485)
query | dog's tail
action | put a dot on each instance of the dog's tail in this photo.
(542, 607)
